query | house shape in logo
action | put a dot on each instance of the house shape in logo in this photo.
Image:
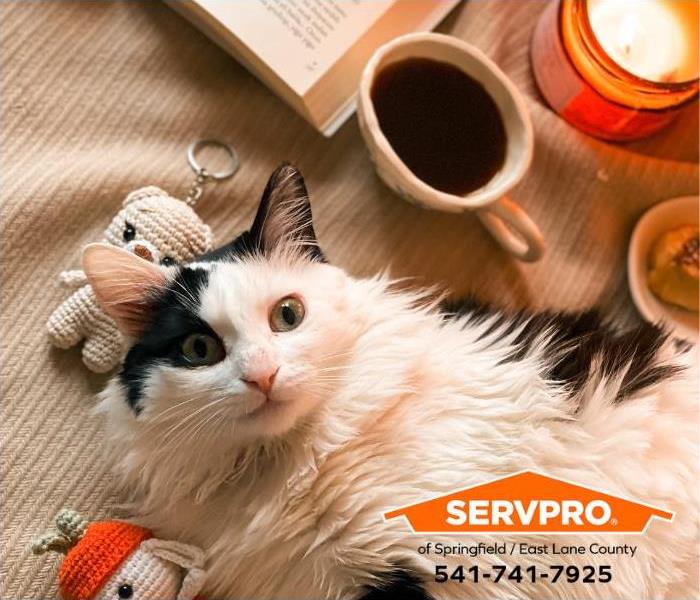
(529, 502)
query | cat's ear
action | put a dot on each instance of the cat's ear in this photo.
(123, 283)
(284, 215)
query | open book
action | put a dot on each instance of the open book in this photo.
(310, 52)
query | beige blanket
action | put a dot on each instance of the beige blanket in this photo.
(99, 98)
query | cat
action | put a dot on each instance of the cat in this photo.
(272, 407)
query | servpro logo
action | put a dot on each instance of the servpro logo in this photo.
(529, 502)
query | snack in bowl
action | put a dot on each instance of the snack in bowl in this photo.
(673, 267)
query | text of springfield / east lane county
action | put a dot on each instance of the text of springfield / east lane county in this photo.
(524, 548)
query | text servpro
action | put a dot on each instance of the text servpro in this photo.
(509, 512)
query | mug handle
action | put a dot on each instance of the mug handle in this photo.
(513, 229)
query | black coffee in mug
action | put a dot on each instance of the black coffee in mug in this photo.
(441, 122)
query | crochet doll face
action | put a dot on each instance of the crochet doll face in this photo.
(159, 228)
(107, 560)
(144, 576)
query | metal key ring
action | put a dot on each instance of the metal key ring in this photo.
(198, 145)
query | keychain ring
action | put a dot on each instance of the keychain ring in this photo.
(224, 174)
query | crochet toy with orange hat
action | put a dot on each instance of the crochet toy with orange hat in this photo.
(115, 559)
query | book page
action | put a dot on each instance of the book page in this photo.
(298, 39)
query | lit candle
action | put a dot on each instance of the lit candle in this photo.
(618, 69)
(653, 39)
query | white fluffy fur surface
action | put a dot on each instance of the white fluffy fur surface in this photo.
(383, 403)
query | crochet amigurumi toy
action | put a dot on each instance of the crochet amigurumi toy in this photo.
(114, 559)
(152, 225)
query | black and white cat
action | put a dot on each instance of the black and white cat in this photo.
(272, 407)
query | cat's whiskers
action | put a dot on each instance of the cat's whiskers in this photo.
(167, 414)
(191, 416)
(185, 435)
(189, 434)
(158, 418)
(188, 421)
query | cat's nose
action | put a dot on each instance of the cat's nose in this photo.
(261, 379)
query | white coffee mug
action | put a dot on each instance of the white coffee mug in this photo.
(505, 219)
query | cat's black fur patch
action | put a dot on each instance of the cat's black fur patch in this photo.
(400, 584)
(242, 246)
(577, 341)
(173, 318)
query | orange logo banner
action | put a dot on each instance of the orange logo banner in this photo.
(529, 502)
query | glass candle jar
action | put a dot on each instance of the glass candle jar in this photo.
(617, 69)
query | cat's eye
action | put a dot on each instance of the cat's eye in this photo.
(167, 261)
(129, 232)
(200, 349)
(125, 591)
(287, 314)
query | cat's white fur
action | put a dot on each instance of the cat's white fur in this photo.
(379, 403)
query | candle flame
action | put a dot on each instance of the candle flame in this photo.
(645, 37)
(629, 30)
